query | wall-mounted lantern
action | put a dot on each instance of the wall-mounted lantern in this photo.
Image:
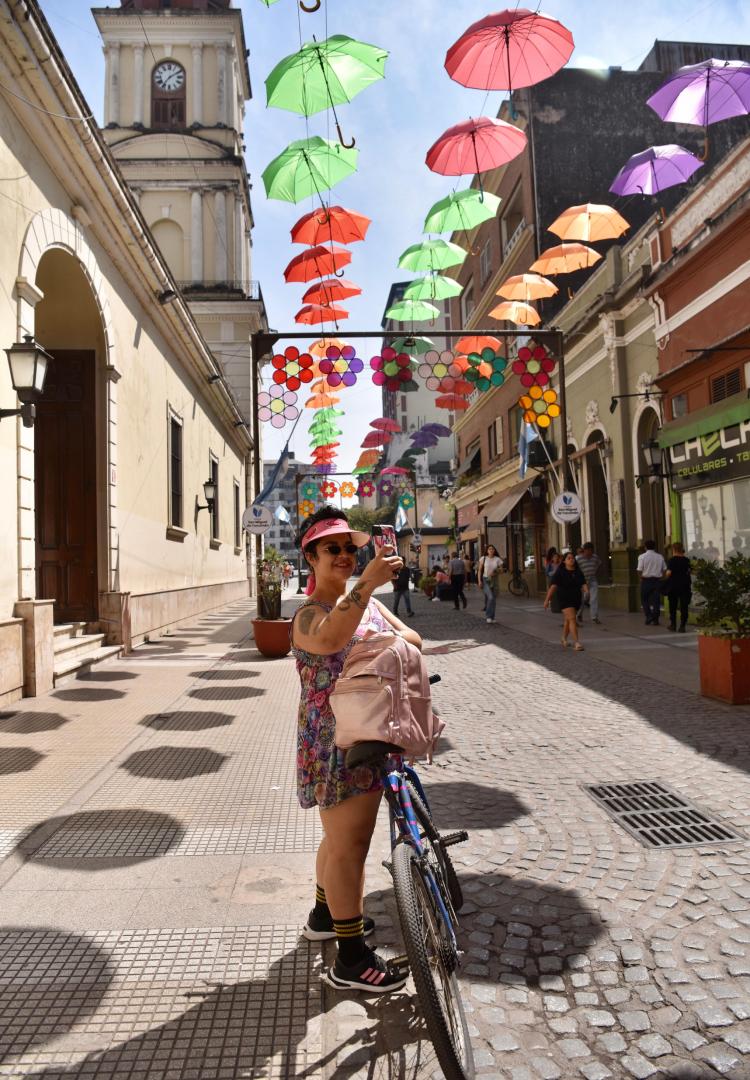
(28, 369)
(209, 494)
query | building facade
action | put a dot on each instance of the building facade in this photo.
(285, 494)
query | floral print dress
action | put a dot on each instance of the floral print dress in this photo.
(322, 777)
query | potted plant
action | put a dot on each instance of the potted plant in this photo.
(724, 638)
(427, 583)
(270, 630)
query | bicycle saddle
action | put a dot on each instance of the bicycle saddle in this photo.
(368, 753)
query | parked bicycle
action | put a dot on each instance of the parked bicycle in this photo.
(428, 895)
(517, 585)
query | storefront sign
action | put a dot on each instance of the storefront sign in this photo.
(567, 508)
(257, 520)
(711, 459)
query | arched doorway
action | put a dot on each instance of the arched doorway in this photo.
(597, 502)
(67, 481)
(650, 495)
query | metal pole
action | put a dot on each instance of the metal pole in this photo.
(564, 427)
(255, 359)
(297, 478)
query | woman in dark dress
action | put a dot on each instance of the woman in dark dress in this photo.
(679, 587)
(568, 582)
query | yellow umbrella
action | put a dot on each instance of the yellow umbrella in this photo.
(527, 287)
(565, 258)
(516, 312)
(319, 347)
(589, 222)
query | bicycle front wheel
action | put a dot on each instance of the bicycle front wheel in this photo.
(433, 961)
(518, 587)
(431, 838)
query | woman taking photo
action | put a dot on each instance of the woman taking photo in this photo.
(568, 582)
(489, 577)
(323, 631)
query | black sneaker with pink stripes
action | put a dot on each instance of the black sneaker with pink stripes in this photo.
(372, 975)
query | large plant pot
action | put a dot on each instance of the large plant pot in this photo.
(429, 591)
(272, 637)
(725, 668)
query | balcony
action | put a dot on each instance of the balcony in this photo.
(221, 290)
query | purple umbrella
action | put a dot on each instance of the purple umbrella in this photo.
(654, 169)
(703, 93)
(423, 439)
(436, 429)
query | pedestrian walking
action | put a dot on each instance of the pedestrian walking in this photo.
(458, 577)
(401, 590)
(569, 584)
(553, 560)
(651, 567)
(286, 571)
(323, 631)
(468, 569)
(489, 579)
(679, 587)
(589, 562)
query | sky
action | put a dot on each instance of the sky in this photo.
(394, 121)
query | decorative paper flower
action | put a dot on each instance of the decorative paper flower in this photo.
(438, 366)
(341, 365)
(533, 367)
(292, 368)
(277, 405)
(328, 489)
(306, 507)
(539, 406)
(392, 370)
(366, 489)
(407, 500)
(309, 490)
(348, 490)
(486, 369)
(386, 486)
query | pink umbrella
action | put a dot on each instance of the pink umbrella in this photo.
(384, 424)
(508, 50)
(394, 470)
(475, 146)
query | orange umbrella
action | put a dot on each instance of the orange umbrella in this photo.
(332, 223)
(565, 258)
(317, 262)
(320, 313)
(368, 457)
(589, 222)
(322, 401)
(319, 347)
(452, 401)
(516, 312)
(330, 290)
(474, 343)
(526, 287)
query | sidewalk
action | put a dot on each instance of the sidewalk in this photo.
(158, 869)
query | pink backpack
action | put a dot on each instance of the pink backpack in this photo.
(383, 694)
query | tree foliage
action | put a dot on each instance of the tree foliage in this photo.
(363, 520)
(269, 576)
(725, 590)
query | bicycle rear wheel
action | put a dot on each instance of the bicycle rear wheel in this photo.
(433, 962)
(518, 587)
(430, 837)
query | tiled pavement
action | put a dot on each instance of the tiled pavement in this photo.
(158, 869)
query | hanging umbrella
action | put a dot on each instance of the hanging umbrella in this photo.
(330, 223)
(703, 93)
(375, 438)
(324, 74)
(461, 211)
(516, 312)
(330, 290)
(308, 167)
(413, 346)
(321, 347)
(383, 423)
(394, 470)
(412, 311)
(321, 401)
(654, 169)
(452, 401)
(437, 429)
(432, 287)
(475, 146)
(474, 343)
(526, 287)
(509, 50)
(367, 459)
(431, 255)
(317, 262)
(565, 258)
(589, 223)
(313, 5)
(311, 314)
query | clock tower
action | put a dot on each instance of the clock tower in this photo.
(176, 83)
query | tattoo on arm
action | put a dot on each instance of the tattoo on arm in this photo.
(356, 598)
(306, 618)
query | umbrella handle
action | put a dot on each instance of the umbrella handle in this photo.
(314, 6)
(346, 145)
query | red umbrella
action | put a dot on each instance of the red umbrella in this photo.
(333, 223)
(384, 424)
(475, 146)
(508, 50)
(317, 262)
(330, 290)
(375, 438)
(320, 313)
(394, 470)
(452, 401)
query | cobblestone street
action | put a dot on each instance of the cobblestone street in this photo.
(157, 870)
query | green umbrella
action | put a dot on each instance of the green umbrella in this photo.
(432, 287)
(412, 311)
(307, 167)
(461, 211)
(432, 255)
(412, 346)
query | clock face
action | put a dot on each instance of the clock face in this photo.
(169, 76)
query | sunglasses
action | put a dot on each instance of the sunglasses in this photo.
(336, 549)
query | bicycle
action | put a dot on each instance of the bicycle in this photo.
(517, 585)
(428, 895)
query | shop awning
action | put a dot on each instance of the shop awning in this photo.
(469, 463)
(705, 421)
(500, 508)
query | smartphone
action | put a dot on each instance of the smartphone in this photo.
(382, 535)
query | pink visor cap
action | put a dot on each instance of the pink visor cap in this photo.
(334, 527)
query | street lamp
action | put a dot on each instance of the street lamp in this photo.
(209, 494)
(28, 368)
(652, 453)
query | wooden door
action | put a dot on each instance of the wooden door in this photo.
(65, 488)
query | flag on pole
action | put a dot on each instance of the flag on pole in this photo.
(282, 514)
(427, 517)
(527, 435)
(401, 519)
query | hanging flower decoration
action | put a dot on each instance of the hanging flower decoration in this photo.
(407, 500)
(292, 368)
(386, 487)
(348, 490)
(277, 405)
(308, 489)
(366, 489)
(392, 370)
(341, 365)
(539, 406)
(533, 366)
(328, 489)
(436, 366)
(486, 369)
(306, 507)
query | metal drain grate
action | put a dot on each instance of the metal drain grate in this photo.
(659, 816)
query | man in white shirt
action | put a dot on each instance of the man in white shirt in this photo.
(652, 568)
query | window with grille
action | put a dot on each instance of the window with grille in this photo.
(175, 472)
(485, 261)
(467, 301)
(723, 386)
(679, 406)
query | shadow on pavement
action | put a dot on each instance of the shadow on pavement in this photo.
(107, 676)
(463, 804)
(186, 721)
(100, 839)
(16, 759)
(31, 723)
(225, 673)
(225, 693)
(174, 762)
(88, 694)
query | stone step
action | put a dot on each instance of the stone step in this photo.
(67, 648)
(69, 669)
(63, 631)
